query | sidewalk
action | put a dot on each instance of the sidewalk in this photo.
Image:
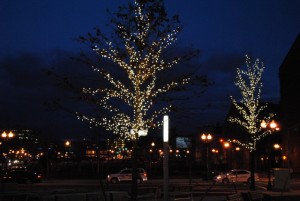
(292, 195)
(268, 196)
(215, 194)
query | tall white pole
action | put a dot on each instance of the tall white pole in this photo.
(166, 157)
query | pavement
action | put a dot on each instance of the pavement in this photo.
(285, 194)
(292, 194)
(267, 196)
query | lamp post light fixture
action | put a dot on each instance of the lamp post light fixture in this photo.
(67, 143)
(226, 145)
(284, 158)
(276, 146)
(5, 135)
(215, 151)
(272, 125)
(206, 138)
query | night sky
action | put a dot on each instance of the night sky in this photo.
(38, 34)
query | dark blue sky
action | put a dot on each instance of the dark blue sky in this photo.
(35, 34)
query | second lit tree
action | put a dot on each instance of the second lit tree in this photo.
(249, 108)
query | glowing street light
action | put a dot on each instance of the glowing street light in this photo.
(226, 145)
(215, 151)
(206, 137)
(276, 146)
(7, 135)
(272, 125)
(67, 143)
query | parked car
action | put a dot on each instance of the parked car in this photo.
(126, 175)
(235, 175)
(21, 176)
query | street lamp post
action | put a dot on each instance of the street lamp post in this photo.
(151, 155)
(68, 145)
(5, 136)
(215, 152)
(166, 156)
(271, 126)
(269, 186)
(276, 147)
(206, 138)
(226, 146)
(237, 157)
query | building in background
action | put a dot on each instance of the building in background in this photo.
(289, 76)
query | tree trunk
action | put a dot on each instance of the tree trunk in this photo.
(252, 169)
(134, 188)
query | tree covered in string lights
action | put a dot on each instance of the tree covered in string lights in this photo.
(250, 108)
(141, 33)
